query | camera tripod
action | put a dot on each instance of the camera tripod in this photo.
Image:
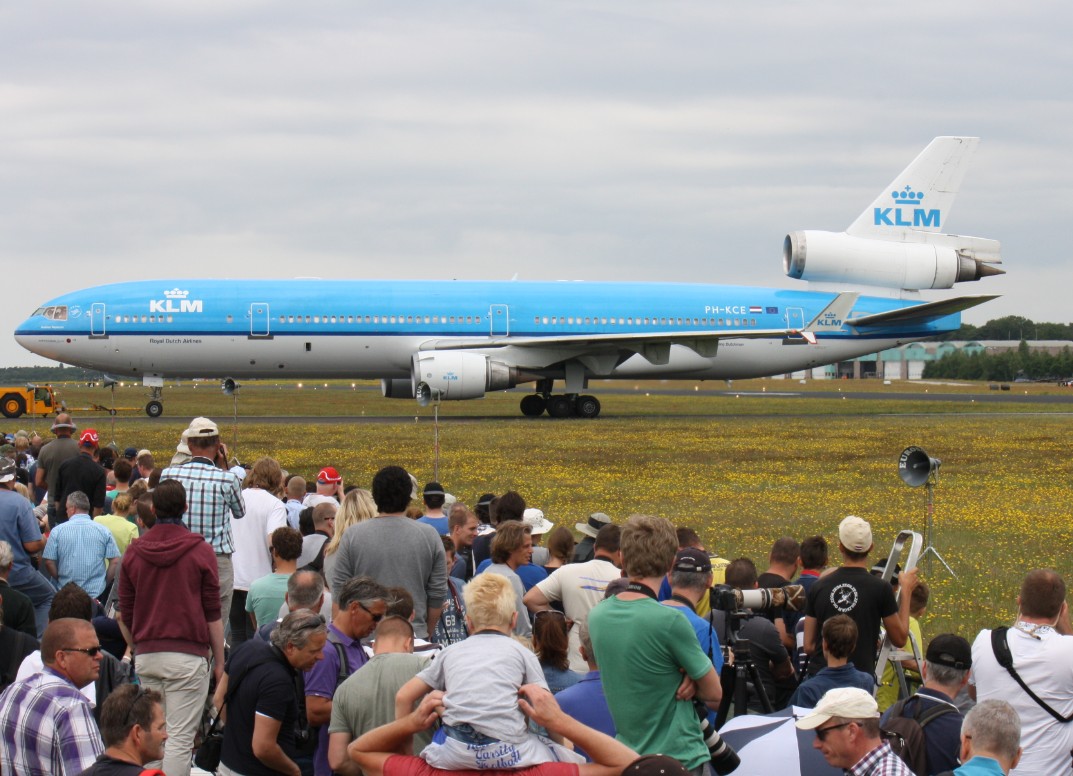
(736, 678)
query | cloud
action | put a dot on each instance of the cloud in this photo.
(633, 140)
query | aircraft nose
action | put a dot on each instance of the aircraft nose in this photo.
(23, 338)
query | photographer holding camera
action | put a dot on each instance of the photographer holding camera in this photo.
(264, 733)
(772, 661)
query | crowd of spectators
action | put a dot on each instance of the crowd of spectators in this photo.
(396, 630)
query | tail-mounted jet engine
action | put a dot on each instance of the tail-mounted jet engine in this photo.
(939, 261)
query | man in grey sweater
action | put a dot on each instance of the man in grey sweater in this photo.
(396, 551)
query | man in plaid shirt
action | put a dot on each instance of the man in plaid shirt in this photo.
(846, 722)
(46, 724)
(213, 497)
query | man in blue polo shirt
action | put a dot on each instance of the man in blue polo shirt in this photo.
(78, 548)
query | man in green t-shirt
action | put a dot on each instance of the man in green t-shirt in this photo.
(650, 660)
(268, 593)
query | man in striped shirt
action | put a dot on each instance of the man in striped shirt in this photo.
(46, 724)
(213, 497)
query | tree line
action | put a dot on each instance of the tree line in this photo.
(1023, 362)
(19, 375)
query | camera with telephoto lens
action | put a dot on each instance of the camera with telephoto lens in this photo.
(724, 759)
(728, 599)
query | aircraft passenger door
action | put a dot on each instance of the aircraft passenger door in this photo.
(97, 327)
(259, 319)
(499, 320)
(795, 318)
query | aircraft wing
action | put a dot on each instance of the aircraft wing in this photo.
(630, 341)
(921, 313)
(654, 346)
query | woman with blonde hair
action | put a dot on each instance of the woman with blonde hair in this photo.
(357, 507)
(261, 491)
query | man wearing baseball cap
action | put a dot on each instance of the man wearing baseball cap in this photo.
(82, 473)
(946, 671)
(213, 497)
(853, 590)
(329, 488)
(691, 579)
(52, 455)
(846, 723)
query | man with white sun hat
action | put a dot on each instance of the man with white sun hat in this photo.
(846, 723)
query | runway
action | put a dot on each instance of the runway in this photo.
(407, 411)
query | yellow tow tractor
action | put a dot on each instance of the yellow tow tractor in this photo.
(16, 401)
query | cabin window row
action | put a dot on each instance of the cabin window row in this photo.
(380, 319)
(142, 319)
(629, 321)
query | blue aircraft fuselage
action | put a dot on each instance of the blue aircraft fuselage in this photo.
(371, 329)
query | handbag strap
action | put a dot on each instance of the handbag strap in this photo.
(1001, 647)
(232, 688)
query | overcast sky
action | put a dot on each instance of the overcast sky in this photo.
(548, 140)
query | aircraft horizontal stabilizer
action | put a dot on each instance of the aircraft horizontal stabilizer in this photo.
(832, 315)
(921, 313)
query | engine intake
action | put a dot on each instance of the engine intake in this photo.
(841, 258)
(452, 375)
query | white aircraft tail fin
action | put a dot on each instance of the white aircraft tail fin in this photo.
(898, 242)
(920, 198)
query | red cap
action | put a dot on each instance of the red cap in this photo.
(89, 438)
(329, 475)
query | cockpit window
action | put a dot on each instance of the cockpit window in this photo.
(57, 313)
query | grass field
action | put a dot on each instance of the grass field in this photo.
(741, 470)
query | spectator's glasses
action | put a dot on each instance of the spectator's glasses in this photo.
(376, 617)
(821, 733)
(134, 702)
(91, 651)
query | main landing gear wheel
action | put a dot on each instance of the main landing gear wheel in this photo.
(154, 409)
(533, 405)
(560, 406)
(12, 405)
(587, 406)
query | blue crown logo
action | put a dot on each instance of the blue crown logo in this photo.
(907, 196)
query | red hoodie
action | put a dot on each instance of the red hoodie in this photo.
(169, 590)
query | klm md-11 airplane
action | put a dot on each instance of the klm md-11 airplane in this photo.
(448, 340)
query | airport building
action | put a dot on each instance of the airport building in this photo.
(908, 361)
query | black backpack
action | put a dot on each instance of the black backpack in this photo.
(906, 734)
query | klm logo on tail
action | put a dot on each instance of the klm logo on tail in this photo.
(906, 211)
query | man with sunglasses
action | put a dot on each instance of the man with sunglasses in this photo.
(362, 604)
(846, 723)
(46, 724)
